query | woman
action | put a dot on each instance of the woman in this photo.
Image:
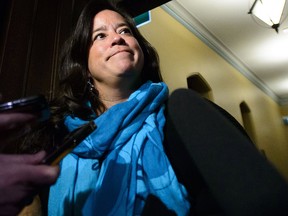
(110, 73)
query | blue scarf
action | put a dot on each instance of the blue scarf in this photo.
(115, 168)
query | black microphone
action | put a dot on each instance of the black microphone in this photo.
(210, 151)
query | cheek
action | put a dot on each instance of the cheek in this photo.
(94, 53)
(140, 55)
(94, 56)
(140, 58)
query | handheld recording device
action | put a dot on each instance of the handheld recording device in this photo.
(69, 143)
(36, 105)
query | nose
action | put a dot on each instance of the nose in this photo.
(117, 40)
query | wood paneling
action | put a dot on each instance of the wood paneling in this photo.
(16, 46)
(33, 34)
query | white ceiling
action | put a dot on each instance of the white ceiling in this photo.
(254, 49)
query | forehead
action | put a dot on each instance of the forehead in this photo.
(107, 17)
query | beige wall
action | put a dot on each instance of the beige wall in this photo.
(182, 54)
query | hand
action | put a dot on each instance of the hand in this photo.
(21, 176)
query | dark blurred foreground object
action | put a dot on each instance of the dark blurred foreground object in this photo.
(36, 105)
(218, 163)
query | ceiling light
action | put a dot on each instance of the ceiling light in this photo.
(268, 11)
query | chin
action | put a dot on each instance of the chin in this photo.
(128, 70)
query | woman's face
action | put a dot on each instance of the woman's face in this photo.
(115, 54)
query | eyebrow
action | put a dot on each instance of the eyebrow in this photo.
(118, 25)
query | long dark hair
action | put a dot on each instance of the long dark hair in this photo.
(74, 96)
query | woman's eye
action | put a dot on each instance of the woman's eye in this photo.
(99, 36)
(125, 31)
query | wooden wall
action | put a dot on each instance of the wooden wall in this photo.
(32, 35)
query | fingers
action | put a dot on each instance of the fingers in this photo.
(41, 174)
(19, 183)
(29, 168)
(23, 158)
(28, 175)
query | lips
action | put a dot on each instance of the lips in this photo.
(119, 51)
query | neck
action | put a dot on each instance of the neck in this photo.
(111, 100)
(112, 96)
